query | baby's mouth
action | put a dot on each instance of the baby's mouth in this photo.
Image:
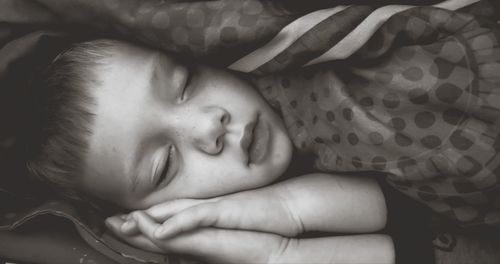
(247, 139)
(255, 141)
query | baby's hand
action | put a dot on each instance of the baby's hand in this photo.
(210, 244)
(251, 210)
(159, 213)
(263, 210)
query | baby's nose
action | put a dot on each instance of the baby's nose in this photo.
(210, 130)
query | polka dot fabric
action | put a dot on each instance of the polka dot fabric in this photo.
(420, 101)
(196, 28)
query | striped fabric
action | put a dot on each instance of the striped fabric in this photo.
(311, 39)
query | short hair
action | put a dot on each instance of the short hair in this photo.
(65, 124)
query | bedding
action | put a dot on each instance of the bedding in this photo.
(418, 101)
(259, 37)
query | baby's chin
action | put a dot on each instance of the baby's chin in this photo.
(275, 170)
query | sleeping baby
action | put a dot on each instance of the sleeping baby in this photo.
(199, 147)
(198, 153)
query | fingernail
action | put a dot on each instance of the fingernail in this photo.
(127, 225)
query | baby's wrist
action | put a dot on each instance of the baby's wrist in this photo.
(289, 205)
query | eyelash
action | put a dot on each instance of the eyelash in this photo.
(188, 81)
(166, 166)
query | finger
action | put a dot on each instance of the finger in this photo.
(129, 227)
(124, 225)
(203, 215)
(139, 241)
(163, 211)
(114, 223)
(123, 216)
(146, 224)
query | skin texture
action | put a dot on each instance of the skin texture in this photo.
(150, 107)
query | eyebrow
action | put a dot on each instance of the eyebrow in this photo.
(143, 144)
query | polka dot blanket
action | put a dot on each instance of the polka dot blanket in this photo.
(419, 101)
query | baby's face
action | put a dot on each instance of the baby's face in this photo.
(164, 131)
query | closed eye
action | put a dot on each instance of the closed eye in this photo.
(190, 82)
(185, 88)
(166, 167)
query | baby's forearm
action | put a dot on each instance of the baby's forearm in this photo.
(339, 249)
(315, 202)
(333, 203)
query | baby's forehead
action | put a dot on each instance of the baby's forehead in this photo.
(133, 50)
(140, 58)
(128, 78)
(120, 60)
